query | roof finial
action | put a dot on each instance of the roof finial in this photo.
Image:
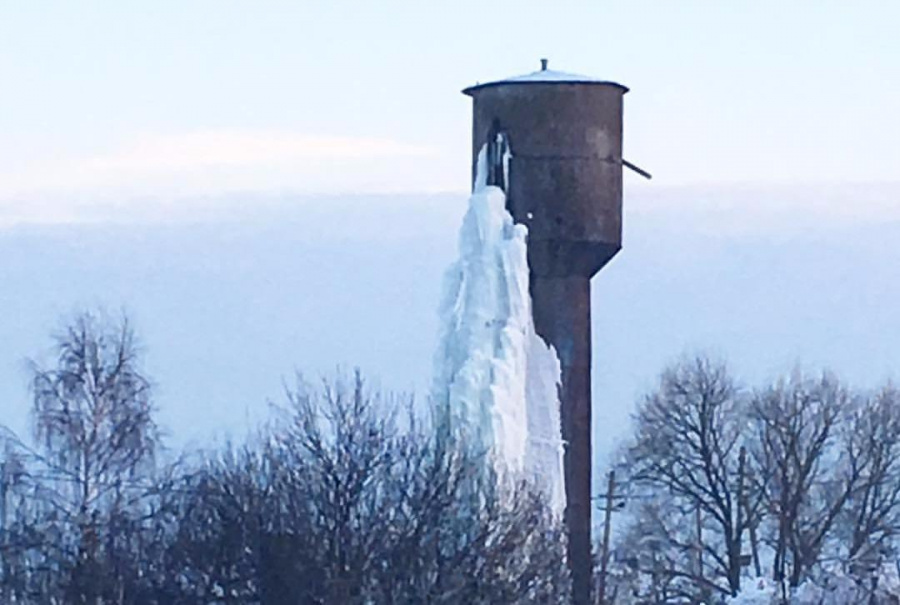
(544, 64)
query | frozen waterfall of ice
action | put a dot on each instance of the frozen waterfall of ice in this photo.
(496, 380)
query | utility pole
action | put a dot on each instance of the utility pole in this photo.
(4, 493)
(736, 556)
(607, 527)
(752, 521)
(698, 517)
(4, 488)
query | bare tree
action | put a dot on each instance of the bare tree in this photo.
(689, 448)
(807, 476)
(93, 414)
(93, 420)
(655, 559)
(336, 504)
(870, 521)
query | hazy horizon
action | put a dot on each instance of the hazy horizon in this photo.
(233, 294)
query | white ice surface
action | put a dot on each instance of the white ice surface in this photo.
(496, 381)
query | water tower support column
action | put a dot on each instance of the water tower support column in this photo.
(562, 316)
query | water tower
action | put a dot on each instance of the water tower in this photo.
(554, 145)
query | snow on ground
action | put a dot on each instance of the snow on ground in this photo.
(755, 591)
(834, 588)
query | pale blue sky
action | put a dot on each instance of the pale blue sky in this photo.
(139, 99)
(217, 116)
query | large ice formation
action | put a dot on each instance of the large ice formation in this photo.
(496, 380)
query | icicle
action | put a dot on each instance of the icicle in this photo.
(496, 381)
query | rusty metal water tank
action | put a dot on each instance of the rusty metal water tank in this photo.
(563, 179)
(565, 134)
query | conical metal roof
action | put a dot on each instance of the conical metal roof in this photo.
(544, 76)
